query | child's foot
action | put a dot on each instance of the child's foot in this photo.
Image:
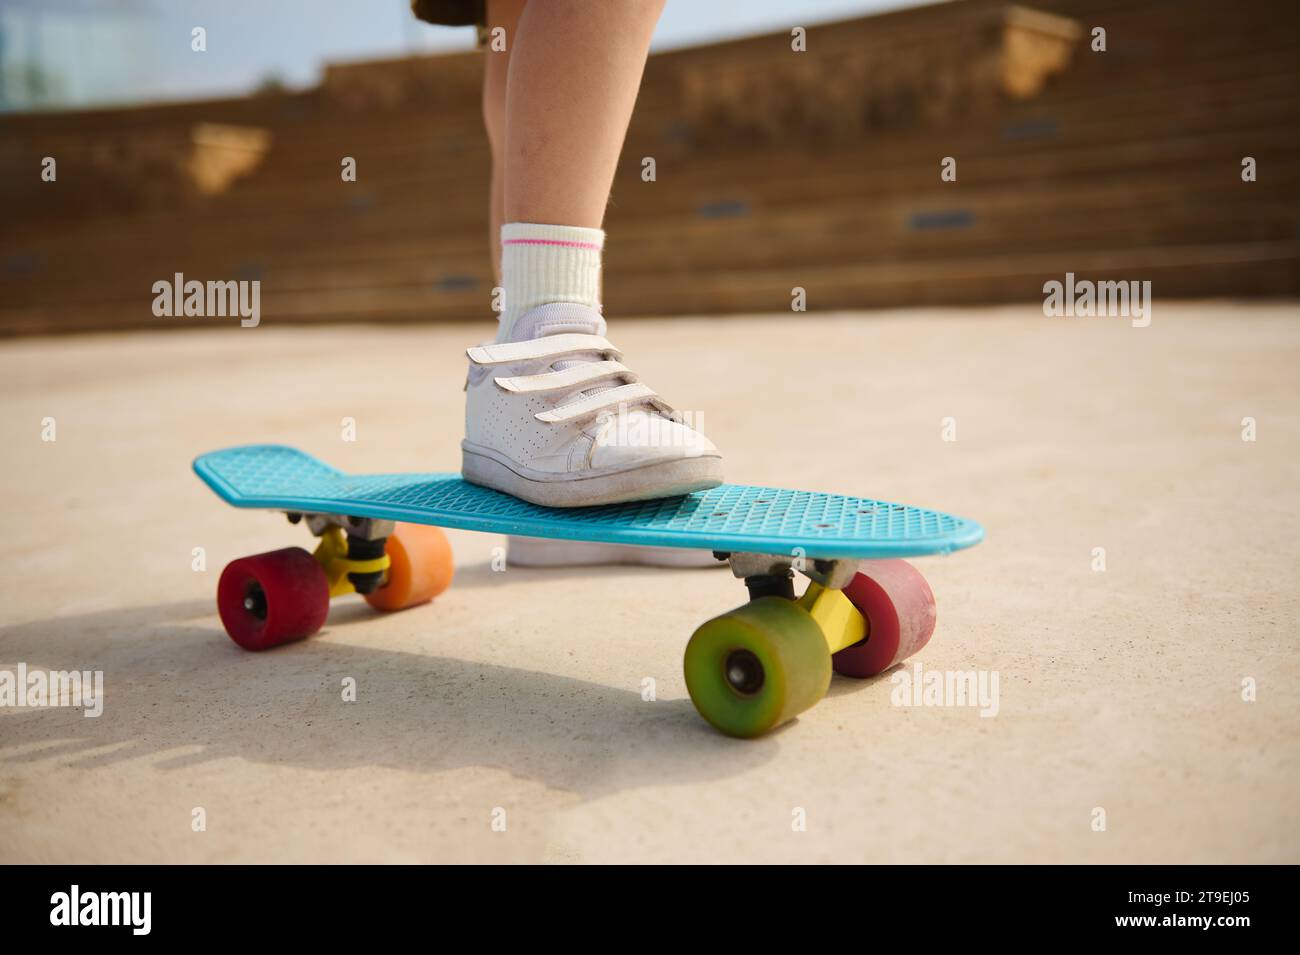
(552, 416)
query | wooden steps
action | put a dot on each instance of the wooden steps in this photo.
(1125, 165)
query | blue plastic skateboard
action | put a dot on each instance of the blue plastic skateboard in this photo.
(748, 670)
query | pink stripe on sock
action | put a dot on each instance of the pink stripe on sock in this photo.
(568, 245)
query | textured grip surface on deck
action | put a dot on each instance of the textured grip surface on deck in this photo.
(731, 517)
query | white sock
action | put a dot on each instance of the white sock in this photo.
(541, 264)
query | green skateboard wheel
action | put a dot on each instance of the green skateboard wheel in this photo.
(758, 666)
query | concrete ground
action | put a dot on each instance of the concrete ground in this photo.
(1121, 733)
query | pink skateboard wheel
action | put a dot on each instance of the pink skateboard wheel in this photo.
(899, 607)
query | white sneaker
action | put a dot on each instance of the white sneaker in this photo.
(554, 418)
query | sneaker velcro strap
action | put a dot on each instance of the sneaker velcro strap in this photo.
(549, 346)
(568, 379)
(624, 394)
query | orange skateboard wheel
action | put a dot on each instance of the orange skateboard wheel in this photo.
(422, 567)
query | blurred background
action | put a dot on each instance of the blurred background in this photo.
(773, 169)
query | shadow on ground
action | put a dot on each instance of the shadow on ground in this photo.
(179, 692)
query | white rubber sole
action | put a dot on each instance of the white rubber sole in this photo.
(548, 552)
(670, 478)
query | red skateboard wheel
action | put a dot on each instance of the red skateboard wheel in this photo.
(899, 608)
(273, 598)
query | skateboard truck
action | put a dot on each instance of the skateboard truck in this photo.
(772, 575)
(840, 623)
(351, 550)
(759, 665)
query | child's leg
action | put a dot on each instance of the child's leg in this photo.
(574, 75)
(527, 551)
(549, 123)
(504, 14)
(551, 415)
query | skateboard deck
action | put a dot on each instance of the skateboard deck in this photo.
(747, 671)
(730, 518)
